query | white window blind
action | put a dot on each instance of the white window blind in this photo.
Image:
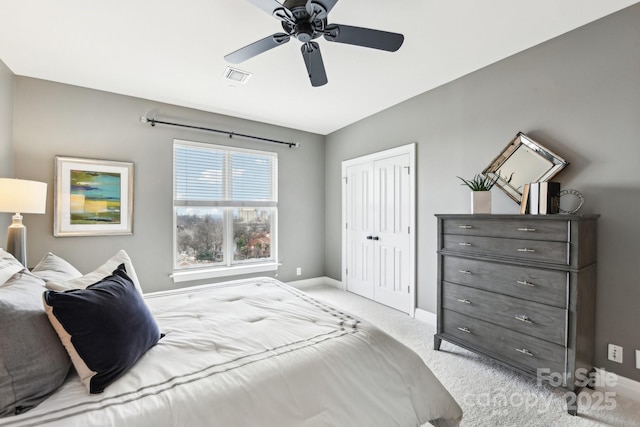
(225, 210)
(213, 175)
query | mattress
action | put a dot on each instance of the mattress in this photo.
(257, 352)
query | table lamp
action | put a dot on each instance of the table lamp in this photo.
(21, 196)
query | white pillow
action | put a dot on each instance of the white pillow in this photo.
(8, 266)
(99, 273)
(55, 269)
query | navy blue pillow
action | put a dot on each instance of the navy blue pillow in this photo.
(105, 328)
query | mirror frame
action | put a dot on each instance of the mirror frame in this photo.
(493, 171)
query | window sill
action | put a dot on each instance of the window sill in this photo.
(212, 273)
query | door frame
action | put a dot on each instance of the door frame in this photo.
(409, 149)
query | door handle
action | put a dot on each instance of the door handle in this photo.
(369, 237)
(376, 238)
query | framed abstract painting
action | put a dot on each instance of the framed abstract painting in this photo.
(92, 197)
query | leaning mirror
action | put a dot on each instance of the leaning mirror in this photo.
(521, 162)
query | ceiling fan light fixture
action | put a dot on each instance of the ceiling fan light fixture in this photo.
(236, 75)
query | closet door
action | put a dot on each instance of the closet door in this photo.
(392, 276)
(359, 229)
(378, 236)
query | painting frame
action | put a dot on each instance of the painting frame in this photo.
(92, 197)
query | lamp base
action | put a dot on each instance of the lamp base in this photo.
(17, 239)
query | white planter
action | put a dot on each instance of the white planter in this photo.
(480, 202)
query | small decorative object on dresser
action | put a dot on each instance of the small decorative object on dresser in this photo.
(571, 204)
(480, 187)
(540, 198)
(480, 202)
(520, 289)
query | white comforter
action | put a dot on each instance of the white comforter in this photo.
(257, 353)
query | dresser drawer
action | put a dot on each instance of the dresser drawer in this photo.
(533, 284)
(531, 318)
(552, 230)
(515, 249)
(523, 350)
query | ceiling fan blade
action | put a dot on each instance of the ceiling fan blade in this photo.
(273, 8)
(256, 48)
(320, 6)
(366, 37)
(313, 61)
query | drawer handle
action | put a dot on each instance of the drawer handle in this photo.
(524, 351)
(526, 250)
(523, 319)
(465, 330)
(525, 283)
(466, 301)
(526, 229)
(464, 244)
(464, 271)
(466, 227)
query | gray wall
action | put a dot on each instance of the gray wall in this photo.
(6, 134)
(579, 95)
(56, 119)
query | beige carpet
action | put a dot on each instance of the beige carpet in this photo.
(489, 394)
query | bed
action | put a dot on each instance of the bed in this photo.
(256, 352)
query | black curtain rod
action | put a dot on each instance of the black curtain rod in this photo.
(153, 122)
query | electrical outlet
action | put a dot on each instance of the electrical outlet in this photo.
(638, 359)
(615, 353)
(298, 271)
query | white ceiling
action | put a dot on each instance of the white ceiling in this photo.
(172, 51)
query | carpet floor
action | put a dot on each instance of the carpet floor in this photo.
(489, 394)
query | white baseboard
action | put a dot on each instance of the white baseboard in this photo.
(334, 283)
(426, 317)
(621, 386)
(317, 281)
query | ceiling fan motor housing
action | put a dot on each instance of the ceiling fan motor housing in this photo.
(304, 27)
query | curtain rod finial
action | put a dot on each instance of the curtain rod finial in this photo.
(143, 119)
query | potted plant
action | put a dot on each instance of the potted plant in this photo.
(480, 182)
(480, 186)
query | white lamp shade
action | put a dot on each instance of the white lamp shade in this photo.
(22, 196)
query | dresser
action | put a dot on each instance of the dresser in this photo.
(520, 289)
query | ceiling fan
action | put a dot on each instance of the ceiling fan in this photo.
(306, 20)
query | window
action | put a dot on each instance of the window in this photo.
(225, 207)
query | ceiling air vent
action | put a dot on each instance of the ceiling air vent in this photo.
(237, 76)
